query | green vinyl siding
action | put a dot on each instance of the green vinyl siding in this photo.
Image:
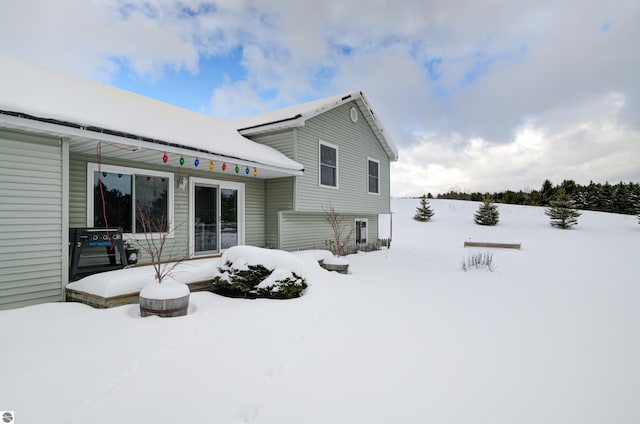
(32, 220)
(300, 231)
(355, 142)
(283, 141)
(177, 246)
(254, 217)
(278, 197)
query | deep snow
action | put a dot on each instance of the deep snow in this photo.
(552, 336)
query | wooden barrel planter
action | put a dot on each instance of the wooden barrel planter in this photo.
(164, 308)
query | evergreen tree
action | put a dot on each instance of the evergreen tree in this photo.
(423, 212)
(562, 212)
(592, 197)
(606, 197)
(622, 200)
(546, 193)
(487, 213)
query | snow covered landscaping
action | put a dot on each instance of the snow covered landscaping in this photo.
(550, 336)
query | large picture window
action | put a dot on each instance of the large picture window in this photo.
(116, 194)
(373, 167)
(328, 165)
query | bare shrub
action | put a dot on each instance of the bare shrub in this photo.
(479, 260)
(341, 232)
(157, 229)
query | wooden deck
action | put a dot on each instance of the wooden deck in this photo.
(125, 299)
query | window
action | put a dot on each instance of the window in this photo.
(373, 167)
(328, 165)
(361, 231)
(114, 194)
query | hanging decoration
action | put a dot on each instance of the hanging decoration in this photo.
(119, 175)
(196, 163)
(104, 174)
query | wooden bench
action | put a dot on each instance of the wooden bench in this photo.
(493, 245)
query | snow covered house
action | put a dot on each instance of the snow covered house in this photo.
(76, 153)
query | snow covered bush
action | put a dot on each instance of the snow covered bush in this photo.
(487, 213)
(480, 260)
(254, 272)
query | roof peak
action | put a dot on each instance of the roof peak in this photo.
(297, 115)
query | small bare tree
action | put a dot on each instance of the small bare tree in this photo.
(340, 234)
(156, 232)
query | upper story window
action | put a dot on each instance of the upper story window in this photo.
(328, 165)
(373, 167)
(115, 195)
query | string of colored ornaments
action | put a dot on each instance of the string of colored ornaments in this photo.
(196, 163)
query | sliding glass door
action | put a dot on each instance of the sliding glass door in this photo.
(216, 216)
(205, 220)
(229, 218)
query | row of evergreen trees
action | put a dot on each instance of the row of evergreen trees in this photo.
(621, 198)
(562, 211)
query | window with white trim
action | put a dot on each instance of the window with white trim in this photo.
(115, 194)
(373, 169)
(328, 165)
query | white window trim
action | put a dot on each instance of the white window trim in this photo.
(369, 188)
(220, 184)
(366, 221)
(333, 146)
(93, 167)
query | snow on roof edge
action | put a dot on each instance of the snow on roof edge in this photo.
(57, 96)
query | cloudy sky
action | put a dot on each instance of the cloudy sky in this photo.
(478, 95)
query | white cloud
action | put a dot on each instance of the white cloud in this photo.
(591, 144)
(237, 100)
(85, 37)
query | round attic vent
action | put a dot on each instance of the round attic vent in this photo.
(353, 114)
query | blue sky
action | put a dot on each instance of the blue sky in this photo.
(486, 96)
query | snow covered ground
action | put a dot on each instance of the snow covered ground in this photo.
(552, 336)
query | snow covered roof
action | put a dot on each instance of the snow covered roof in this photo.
(296, 115)
(53, 97)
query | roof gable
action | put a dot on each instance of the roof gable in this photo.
(297, 115)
